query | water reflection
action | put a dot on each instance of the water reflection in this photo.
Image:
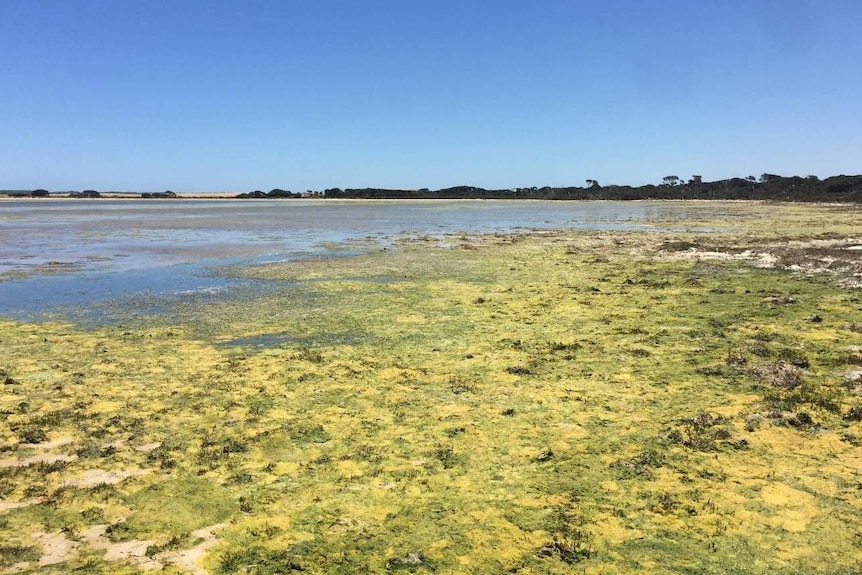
(60, 254)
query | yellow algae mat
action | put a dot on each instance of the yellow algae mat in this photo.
(556, 402)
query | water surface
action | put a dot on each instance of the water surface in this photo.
(67, 257)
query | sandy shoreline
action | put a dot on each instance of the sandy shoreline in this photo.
(127, 196)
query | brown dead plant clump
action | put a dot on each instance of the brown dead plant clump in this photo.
(778, 299)
(781, 375)
(5, 378)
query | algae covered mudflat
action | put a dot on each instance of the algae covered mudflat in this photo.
(545, 402)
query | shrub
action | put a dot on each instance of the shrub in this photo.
(639, 465)
(779, 374)
(33, 435)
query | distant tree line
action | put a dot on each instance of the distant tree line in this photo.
(166, 195)
(274, 193)
(766, 187)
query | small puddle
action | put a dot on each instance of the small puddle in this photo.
(268, 340)
(262, 340)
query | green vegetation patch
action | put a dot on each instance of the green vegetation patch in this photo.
(10, 554)
(177, 506)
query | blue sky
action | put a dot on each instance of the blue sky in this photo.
(216, 95)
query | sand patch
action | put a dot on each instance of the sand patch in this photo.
(10, 505)
(758, 259)
(134, 551)
(189, 559)
(95, 536)
(93, 477)
(36, 459)
(53, 444)
(56, 548)
(853, 377)
(41, 455)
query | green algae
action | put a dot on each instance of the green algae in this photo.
(178, 506)
(534, 403)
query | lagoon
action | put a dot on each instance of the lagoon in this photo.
(65, 257)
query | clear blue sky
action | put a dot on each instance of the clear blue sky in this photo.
(216, 95)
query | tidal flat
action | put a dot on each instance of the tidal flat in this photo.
(556, 401)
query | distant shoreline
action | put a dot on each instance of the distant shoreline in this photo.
(232, 198)
(769, 187)
(118, 196)
(93, 203)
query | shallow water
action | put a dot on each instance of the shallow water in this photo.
(66, 257)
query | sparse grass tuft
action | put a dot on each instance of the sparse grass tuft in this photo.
(260, 561)
(705, 432)
(10, 554)
(639, 466)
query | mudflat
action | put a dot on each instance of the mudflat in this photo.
(558, 401)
